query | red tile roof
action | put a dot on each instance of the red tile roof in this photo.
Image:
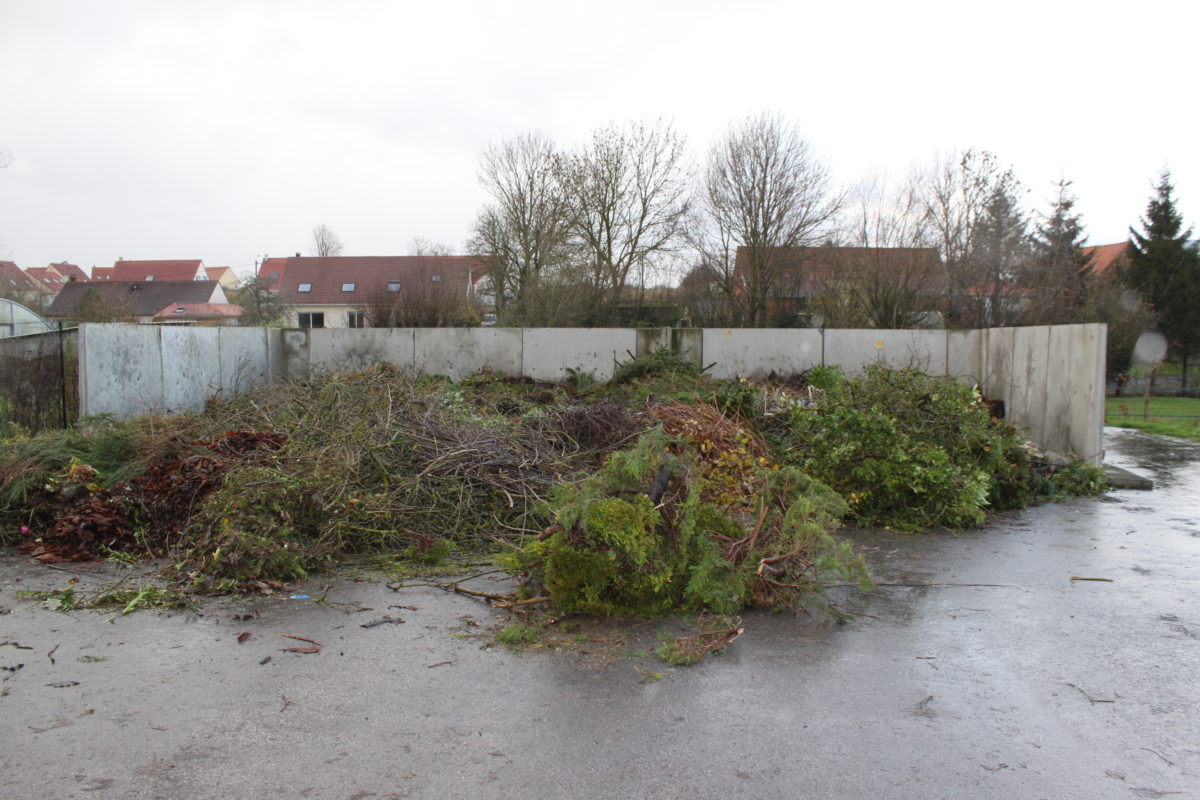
(369, 276)
(14, 279)
(185, 270)
(102, 273)
(50, 279)
(70, 271)
(272, 270)
(1104, 257)
(199, 311)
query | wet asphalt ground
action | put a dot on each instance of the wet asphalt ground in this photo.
(982, 667)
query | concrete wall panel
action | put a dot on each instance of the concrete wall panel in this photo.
(120, 370)
(996, 352)
(1031, 348)
(964, 355)
(856, 349)
(348, 349)
(191, 367)
(757, 352)
(459, 352)
(245, 357)
(549, 352)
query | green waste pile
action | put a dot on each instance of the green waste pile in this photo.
(657, 491)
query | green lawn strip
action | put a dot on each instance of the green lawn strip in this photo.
(1167, 416)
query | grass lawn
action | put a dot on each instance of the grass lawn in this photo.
(1169, 416)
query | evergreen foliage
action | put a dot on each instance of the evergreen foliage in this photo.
(1061, 272)
(1164, 268)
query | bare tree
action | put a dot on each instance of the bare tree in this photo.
(419, 305)
(523, 232)
(972, 204)
(420, 246)
(764, 191)
(627, 189)
(325, 243)
(888, 275)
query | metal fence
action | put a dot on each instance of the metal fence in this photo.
(39, 381)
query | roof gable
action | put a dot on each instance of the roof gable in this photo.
(1104, 257)
(70, 272)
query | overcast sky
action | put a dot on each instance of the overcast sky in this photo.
(227, 130)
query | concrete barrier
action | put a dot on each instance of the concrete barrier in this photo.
(1050, 378)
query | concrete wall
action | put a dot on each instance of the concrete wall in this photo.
(1051, 379)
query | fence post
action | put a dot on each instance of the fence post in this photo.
(62, 375)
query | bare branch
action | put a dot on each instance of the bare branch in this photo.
(325, 243)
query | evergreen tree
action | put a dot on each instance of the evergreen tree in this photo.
(1060, 275)
(1000, 256)
(1164, 268)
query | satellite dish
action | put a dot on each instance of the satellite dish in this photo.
(1150, 350)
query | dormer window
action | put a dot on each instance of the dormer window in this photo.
(304, 287)
(347, 287)
(180, 310)
(149, 277)
(393, 286)
(274, 276)
(435, 278)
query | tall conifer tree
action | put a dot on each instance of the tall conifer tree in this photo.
(1164, 267)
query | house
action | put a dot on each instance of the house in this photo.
(1107, 260)
(348, 291)
(70, 272)
(798, 276)
(146, 301)
(224, 276)
(102, 273)
(145, 271)
(51, 279)
(16, 284)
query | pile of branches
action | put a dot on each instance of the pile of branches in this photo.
(147, 513)
(650, 534)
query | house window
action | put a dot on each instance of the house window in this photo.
(304, 287)
(180, 310)
(347, 287)
(149, 277)
(355, 319)
(393, 286)
(274, 276)
(311, 319)
(435, 278)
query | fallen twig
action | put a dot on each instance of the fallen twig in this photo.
(529, 602)
(1078, 578)
(1160, 755)
(301, 638)
(50, 655)
(439, 664)
(1092, 700)
(286, 702)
